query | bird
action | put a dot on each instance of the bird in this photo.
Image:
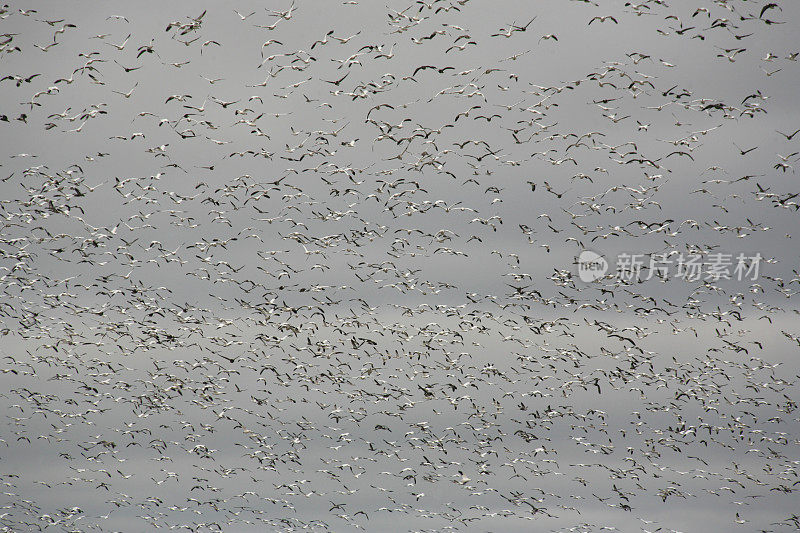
(790, 136)
(244, 17)
(603, 19)
(120, 46)
(129, 93)
(745, 152)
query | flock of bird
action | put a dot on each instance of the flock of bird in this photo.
(311, 266)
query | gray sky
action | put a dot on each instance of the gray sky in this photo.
(314, 266)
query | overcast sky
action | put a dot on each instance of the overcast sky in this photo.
(314, 265)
